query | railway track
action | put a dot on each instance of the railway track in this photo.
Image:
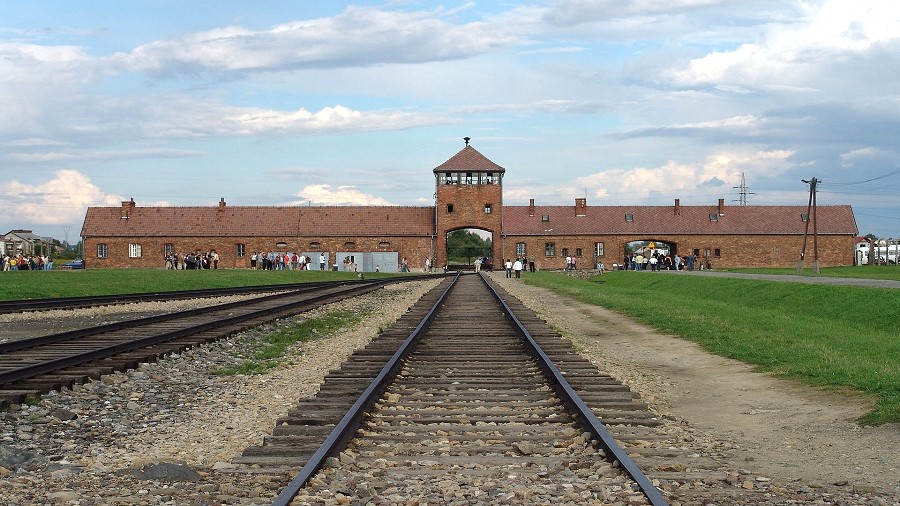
(455, 398)
(31, 367)
(30, 305)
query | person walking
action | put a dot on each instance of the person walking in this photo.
(508, 265)
(517, 266)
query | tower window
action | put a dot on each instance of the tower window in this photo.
(449, 208)
(487, 209)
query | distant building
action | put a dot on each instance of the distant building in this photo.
(25, 242)
(468, 195)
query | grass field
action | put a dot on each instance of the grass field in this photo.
(17, 285)
(832, 336)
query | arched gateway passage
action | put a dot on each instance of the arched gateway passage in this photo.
(466, 245)
(637, 254)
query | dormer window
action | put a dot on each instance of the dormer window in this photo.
(713, 217)
(629, 218)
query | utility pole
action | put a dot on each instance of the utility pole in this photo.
(810, 216)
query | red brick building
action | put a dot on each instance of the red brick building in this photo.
(469, 195)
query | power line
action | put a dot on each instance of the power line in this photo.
(865, 181)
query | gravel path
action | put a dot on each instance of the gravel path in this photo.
(783, 442)
(811, 280)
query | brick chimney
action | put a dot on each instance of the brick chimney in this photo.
(677, 207)
(581, 207)
(530, 207)
(222, 204)
(721, 207)
(127, 206)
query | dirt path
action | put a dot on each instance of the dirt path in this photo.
(780, 428)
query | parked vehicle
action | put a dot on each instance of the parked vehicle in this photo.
(72, 264)
(886, 254)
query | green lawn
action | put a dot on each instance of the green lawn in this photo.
(17, 285)
(833, 336)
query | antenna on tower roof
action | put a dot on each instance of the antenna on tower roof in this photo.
(743, 190)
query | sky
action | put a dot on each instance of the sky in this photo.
(640, 102)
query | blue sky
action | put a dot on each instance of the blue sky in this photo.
(326, 103)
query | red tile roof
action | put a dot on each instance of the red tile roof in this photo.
(250, 221)
(603, 220)
(469, 160)
(374, 221)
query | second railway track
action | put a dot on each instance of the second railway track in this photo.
(31, 367)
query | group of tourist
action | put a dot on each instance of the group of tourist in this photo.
(278, 261)
(660, 262)
(514, 266)
(27, 263)
(191, 261)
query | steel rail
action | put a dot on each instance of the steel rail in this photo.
(351, 421)
(111, 327)
(33, 370)
(128, 298)
(588, 419)
(13, 306)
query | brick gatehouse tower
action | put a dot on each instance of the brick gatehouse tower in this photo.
(469, 194)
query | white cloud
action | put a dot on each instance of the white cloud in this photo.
(323, 194)
(60, 200)
(849, 158)
(674, 178)
(793, 57)
(359, 36)
(567, 12)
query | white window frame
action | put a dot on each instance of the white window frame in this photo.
(134, 250)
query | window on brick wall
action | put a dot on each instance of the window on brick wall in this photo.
(350, 246)
(717, 252)
(169, 248)
(134, 251)
(550, 249)
(315, 246)
(449, 208)
(598, 249)
(488, 208)
(240, 250)
(578, 252)
(102, 250)
(520, 249)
